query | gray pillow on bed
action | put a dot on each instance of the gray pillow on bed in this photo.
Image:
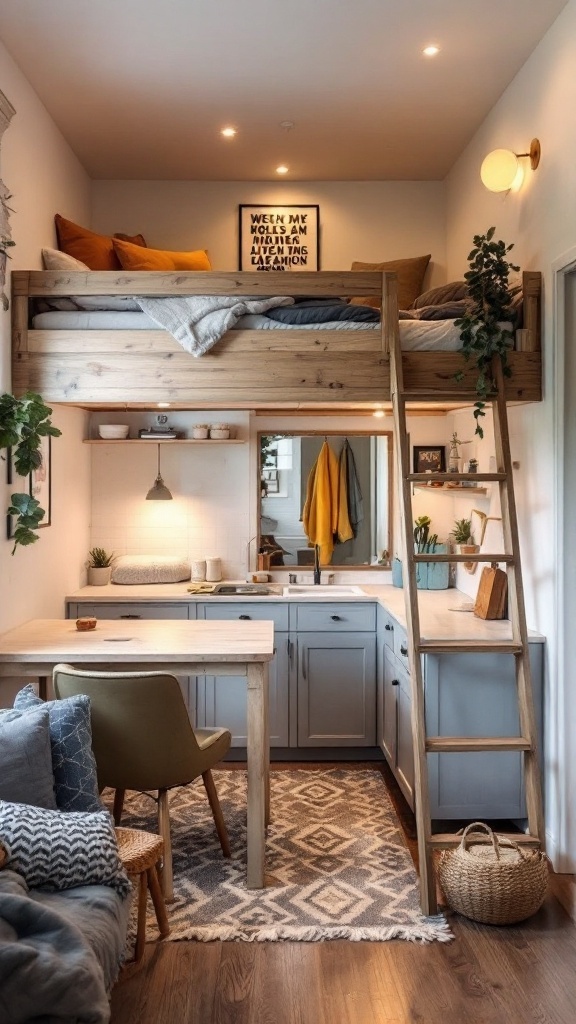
(53, 259)
(26, 758)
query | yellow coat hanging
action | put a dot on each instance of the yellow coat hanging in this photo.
(320, 515)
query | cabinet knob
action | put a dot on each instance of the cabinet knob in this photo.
(403, 650)
(244, 616)
(395, 682)
(388, 626)
(335, 618)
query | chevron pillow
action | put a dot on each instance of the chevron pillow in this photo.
(73, 762)
(55, 850)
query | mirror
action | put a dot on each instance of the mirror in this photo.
(359, 492)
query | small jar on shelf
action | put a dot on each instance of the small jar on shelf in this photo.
(200, 431)
(220, 431)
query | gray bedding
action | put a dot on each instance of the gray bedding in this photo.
(59, 952)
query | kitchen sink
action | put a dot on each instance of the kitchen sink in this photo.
(248, 589)
(326, 590)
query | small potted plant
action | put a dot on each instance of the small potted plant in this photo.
(99, 567)
(464, 540)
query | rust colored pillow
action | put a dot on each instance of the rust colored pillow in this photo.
(410, 273)
(135, 239)
(96, 251)
(134, 257)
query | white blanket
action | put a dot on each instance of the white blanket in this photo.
(199, 321)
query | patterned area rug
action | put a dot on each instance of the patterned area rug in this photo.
(336, 862)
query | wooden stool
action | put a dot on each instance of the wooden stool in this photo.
(140, 853)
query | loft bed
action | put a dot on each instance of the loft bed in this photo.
(121, 367)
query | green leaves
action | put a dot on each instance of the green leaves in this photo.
(23, 423)
(489, 305)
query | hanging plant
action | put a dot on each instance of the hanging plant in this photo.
(23, 423)
(489, 305)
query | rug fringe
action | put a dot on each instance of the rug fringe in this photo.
(432, 929)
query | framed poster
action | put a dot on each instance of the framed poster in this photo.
(279, 237)
(429, 458)
(40, 482)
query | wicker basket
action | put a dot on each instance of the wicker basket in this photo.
(491, 879)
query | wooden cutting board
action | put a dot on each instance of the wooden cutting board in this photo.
(492, 591)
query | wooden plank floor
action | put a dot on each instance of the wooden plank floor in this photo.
(523, 974)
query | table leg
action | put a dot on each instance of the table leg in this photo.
(43, 687)
(266, 748)
(257, 763)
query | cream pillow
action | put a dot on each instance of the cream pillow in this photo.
(410, 274)
(134, 569)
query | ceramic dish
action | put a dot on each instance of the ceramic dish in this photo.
(113, 431)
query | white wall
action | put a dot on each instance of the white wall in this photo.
(539, 220)
(359, 220)
(44, 177)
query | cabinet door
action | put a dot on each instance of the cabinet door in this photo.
(389, 710)
(336, 690)
(397, 725)
(222, 700)
(472, 695)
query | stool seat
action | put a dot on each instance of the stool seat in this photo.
(140, 853)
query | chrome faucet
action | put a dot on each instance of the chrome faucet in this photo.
(317, 574)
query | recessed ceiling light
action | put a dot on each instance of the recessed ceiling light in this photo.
(229, 132)
(163, 405)
(282, 169)
(378, 413)
(431, 51)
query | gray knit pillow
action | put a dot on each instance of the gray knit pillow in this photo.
(61, 849)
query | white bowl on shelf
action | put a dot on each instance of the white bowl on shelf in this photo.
(113, 431)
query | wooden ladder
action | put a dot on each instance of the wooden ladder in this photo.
(517, 646)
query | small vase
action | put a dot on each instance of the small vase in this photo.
(469, 549)
(98, 576)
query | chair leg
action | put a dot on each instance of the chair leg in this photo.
(118, 805)
(141, 926)
(164, 830)
(217, 813)
(158, 901)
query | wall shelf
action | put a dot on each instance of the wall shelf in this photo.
(451, 490)
(156, 440)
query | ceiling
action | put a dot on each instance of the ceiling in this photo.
(142, 88)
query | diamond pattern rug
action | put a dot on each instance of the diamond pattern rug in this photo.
(337, 866)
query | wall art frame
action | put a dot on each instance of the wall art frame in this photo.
(282, 238)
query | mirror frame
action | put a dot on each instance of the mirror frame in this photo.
(333, 433)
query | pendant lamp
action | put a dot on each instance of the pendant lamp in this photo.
(159, 491)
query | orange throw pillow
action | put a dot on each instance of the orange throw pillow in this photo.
(96, 251)
(134, 257)
(410, 273)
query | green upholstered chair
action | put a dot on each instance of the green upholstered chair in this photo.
(143, 740)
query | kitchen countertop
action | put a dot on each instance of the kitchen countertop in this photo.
(439, 614)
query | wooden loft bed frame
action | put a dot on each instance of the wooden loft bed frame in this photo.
(247, 368)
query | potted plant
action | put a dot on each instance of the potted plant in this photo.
(489, 306)
(464, 540)
(23, 423)
(429, 575)
(99, 567)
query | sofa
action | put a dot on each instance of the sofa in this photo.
(64, 895)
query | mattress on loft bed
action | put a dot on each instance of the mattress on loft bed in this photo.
(414, 334)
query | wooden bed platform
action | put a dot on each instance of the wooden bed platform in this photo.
(246, 369)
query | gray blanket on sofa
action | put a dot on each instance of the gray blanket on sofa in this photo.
(59, 952)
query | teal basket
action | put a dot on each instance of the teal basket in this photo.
(429, 575)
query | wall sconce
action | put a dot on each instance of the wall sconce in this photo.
(159, 491)
(501, 170)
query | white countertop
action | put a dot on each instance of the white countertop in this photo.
(439, 614)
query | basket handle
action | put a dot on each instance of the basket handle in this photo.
(495, 839)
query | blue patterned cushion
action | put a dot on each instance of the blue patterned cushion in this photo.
(73, 761)
(25, 758)
(52, 850)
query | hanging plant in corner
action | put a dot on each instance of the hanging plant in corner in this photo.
(489, 308)
(23, 423)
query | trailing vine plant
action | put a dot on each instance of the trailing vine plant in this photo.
(489, 305)
(23, 423)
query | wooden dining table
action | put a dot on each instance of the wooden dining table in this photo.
(207, 647)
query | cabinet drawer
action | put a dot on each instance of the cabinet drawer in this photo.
(337, 617)
(401, 644)
(124, 610)
(276, 613)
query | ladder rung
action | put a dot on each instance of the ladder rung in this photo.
(453, 557)
(450, 477)
(439, 396)
(445, 840)
(469, 647)
(462, 744)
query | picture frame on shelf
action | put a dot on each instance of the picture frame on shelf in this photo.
(428, 458)
(279, 238)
